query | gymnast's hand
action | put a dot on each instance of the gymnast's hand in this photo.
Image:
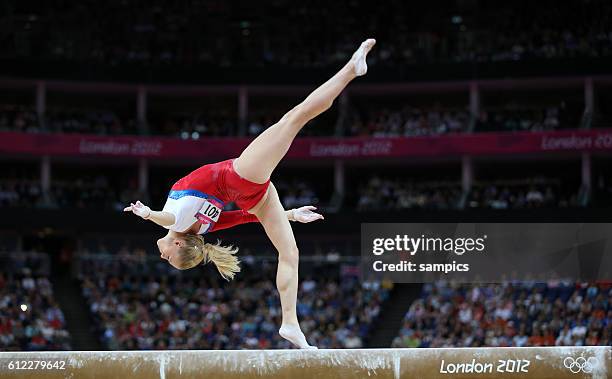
(139, 209)
(305, 214)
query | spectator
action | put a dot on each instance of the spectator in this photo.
(508, 314)
(40, 326)
(153, 310)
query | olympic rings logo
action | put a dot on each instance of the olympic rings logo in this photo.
(580, 364)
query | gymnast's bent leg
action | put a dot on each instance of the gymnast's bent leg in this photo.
(272, 216)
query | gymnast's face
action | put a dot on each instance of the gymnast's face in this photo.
(169, 248)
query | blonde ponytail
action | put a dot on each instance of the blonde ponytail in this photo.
(197, 251)
(224, 257)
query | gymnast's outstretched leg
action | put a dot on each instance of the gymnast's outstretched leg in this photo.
(258, 161)
(263, 154)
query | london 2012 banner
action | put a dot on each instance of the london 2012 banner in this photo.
(323, 148)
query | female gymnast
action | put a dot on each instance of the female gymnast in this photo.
(195, 202)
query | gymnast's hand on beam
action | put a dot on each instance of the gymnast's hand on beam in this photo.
(139, 209)
(305, 214)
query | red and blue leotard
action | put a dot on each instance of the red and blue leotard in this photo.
(200, 197)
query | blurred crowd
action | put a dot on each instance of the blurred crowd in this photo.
(384, 193)
(408, 121)
(15, 118)
(21, 118)
(296, 193)
(105, 191)
(229, 34)
(30, 318)
(85, 121)
(535, 192)
(216, 123)
(515, 118)
(20, 191)
(398, 192)
(372, 193)
(172, 311)
(510, 314)
(86, 191)
(426, 121)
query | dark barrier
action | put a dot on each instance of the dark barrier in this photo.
(200, 74)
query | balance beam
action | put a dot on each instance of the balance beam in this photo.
(481, 363)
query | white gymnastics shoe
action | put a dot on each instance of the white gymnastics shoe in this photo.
(293, 334)
(359, 57)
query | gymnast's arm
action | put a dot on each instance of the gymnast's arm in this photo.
(227, 219)
(304, 214)
(161, 218)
